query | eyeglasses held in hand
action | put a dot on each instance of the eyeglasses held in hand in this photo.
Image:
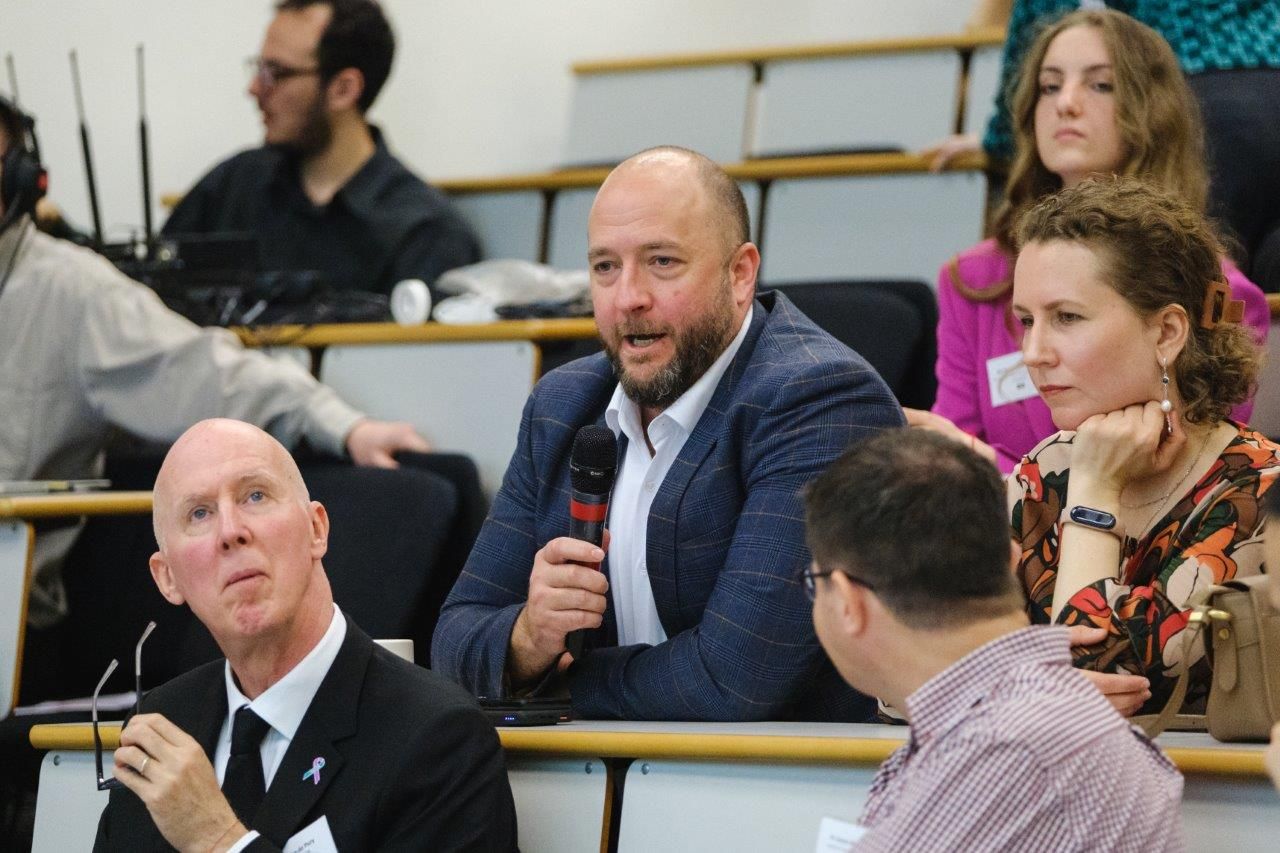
(103, 782)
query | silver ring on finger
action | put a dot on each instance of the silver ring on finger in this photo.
(142, 770)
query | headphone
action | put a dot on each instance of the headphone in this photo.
(23, 181)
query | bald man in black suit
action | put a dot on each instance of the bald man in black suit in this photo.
(307, 730)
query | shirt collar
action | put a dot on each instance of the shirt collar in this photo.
(942, 701)
(623, 415)
(283, 704)
(361, 191)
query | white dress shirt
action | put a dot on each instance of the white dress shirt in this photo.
(639, 478)
(282, 706)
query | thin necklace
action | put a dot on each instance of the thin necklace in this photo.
(1160, 500)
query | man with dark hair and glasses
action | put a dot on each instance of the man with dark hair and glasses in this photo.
(914, 599)
(324, 193)
(308, 732)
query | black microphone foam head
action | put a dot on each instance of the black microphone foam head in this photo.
(593, 460)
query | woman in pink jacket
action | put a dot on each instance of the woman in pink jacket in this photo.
(1099, 94)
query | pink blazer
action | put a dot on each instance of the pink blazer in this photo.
(970, 333)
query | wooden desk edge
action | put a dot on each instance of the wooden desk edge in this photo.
(990, 37)
(1220, 761)
(503, 330)
(765, 168)
(721, 747)
(390, 333)
(1223, 761)
(89, 503)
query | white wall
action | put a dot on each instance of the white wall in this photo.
(479, 87)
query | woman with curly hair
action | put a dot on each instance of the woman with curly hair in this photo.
(1149, 492)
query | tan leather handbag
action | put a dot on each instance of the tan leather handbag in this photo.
(1244, 650)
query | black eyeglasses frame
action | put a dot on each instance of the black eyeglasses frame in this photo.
(270, 73)
(810, 574)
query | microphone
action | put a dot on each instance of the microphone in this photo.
(592, 464)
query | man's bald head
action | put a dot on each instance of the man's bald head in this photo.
(212, 439)
(725, 203)
(241, 544)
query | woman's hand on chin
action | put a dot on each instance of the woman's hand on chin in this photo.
(1113, 449)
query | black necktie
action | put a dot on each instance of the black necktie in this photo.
(243, 785)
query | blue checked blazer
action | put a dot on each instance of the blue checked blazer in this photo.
(725, 538)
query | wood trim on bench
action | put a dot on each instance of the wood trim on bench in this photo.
(914, 44)
(764, 169)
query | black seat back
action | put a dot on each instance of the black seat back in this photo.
(892, 324)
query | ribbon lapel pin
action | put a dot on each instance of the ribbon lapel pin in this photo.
(314, 773)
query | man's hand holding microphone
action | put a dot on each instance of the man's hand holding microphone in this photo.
(567, 590)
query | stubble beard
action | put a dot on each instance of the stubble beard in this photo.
(314, 136)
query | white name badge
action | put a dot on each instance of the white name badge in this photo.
(313, 838)
(1009, 379)
(837, 836)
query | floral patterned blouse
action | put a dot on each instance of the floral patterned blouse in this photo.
(1212, 534)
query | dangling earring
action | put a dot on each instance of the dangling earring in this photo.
(1166, 405)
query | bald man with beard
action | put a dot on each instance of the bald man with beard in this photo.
(725, 403)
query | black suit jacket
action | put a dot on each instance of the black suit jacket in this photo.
(410, 761)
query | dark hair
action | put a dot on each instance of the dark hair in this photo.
(358, 36)
(1156, 250)
(23, 181)
(728, 204)
(11, 119)
(924, 521)
(1156, 113)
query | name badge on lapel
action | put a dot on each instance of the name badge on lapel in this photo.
(1009, 379)
(837, 836)
(316, 837)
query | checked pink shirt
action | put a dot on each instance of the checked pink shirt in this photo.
(1013, 749)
